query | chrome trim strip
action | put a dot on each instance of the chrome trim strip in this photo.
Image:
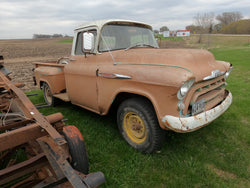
(214, 74)
(114, 76)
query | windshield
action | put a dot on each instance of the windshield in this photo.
(116, 37)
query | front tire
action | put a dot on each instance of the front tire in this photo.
(139, 126)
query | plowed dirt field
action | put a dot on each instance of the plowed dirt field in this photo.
(20, 53)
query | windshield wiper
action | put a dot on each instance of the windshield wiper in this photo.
(140, 45)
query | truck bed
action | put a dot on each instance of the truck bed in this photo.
(49, 63)
(51, 73)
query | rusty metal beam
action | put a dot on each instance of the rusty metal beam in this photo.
(31, 112)
(20, 136)
(53, 118)
(23, 168)
(39, 136)
(58, 160)
(14, 125)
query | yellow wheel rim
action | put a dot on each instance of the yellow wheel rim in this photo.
(134, 127)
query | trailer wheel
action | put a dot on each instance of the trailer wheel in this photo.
(48, 97)
(139, 126)
(77, 149)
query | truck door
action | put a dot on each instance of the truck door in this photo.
(80, 76)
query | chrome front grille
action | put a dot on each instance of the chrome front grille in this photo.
(211, 91)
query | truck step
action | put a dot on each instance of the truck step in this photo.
(62, 96)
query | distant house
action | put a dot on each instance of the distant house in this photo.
(183, 33)
(178, 33)
(165, 33)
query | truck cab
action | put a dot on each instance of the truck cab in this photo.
(118, 64)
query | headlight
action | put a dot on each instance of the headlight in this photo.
(185, 88)
(228, 73)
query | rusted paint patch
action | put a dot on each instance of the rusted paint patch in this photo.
(73, 133)
(188, 124)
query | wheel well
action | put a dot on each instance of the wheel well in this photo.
(124, 96)
(41, 84)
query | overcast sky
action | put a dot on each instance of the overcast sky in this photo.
(23, 18)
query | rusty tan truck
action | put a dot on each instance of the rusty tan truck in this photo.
(117, 64)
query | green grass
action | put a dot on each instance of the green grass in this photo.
(216, 41)
(214, 156)
(66, 41)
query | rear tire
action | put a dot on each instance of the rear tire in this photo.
(47, 94)
(77, 149)
(139, 126)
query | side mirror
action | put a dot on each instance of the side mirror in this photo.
(88, 42)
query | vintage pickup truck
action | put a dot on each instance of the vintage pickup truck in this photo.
(117, 64)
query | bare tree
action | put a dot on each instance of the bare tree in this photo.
(205, 21)
(194, 29)
(228, 17)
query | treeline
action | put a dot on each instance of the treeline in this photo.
(225, 23)
(40, 36)
(239, 27)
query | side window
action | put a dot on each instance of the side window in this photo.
(79, 44)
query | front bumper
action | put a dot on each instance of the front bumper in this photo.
(188, 124)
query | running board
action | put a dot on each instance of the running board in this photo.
(62, 96)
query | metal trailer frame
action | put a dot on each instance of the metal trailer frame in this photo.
(23, 126)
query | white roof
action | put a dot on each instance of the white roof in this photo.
(101, 23)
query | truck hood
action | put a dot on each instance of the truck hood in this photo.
(199, 62)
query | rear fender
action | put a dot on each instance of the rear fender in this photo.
(53, 76)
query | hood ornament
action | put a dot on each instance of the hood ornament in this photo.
(214, 74)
